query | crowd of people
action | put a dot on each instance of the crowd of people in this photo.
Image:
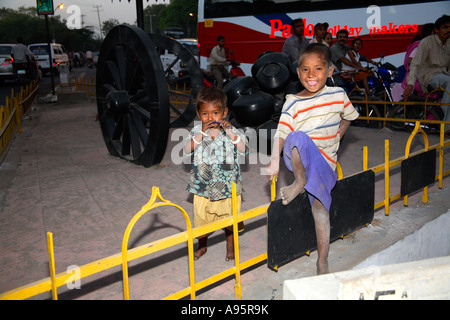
(80, 58)
(427, 59)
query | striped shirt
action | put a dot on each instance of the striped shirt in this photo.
(319, 117)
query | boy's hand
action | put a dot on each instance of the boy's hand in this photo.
(209, 125)
(225, 125)
(272, 170)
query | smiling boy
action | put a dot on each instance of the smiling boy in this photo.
(309, 131)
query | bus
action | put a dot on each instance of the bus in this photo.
(251, 27)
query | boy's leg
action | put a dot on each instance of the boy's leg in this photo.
(322, 225)
(202, 247)
(290, 192)
(230, 244)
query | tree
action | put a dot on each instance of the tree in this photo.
(107, 25)
(32, 28)
(177, 14)
(152, 13)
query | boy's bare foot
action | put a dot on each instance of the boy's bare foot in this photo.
(230, 251)
(230, 256)
(199, 252)
(290, 192)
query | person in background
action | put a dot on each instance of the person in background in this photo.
(218, 61)
(328, 38)
(320, 30)
(295, 44)
(361, 72)
(21, 54)
(411, 50)
(431, 65)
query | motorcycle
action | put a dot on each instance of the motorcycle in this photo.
(384, 76)
(419, 112)
(27, 72)
(210, 81)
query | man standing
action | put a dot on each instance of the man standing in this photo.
(295, 44)
(431, 64)
(218, 61)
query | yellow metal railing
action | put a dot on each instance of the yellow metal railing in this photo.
(12, 112)
(57, 280)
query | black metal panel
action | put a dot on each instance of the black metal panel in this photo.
(418, 172)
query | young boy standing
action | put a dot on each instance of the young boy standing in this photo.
(216, 145)
(310, 128)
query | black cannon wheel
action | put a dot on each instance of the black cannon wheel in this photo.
(182, 114)
(132, 97)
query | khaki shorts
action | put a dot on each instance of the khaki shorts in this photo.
(207, 211)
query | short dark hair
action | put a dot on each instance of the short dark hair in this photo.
(441, 21)
(356, 39)
(212, 95)
(342, 31)
(295, 21)
(319, 49)
(220, 38)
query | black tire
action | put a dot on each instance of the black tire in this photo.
(373, 111)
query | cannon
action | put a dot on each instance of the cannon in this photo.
(132, 93)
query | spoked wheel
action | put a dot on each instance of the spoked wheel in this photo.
(366, 111)
(182, 105)
(132, 97)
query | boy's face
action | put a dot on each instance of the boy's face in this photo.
(328, 38)
(210, 112)
(313, 72)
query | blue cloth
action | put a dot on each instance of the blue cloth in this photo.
(320, 178)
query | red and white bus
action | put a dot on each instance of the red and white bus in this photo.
(251, 27)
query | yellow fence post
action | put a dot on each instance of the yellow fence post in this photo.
(417, 128)
(147, 207)
(51, 262)
(441, 154)
(386, 177)
(365, 158)
(237, 286)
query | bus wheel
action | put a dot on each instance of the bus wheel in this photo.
(182, 104)
(132, 97)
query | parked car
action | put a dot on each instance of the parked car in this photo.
(59, 56)
(6, 62)
(178, 70)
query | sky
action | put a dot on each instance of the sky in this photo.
(123, 10)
